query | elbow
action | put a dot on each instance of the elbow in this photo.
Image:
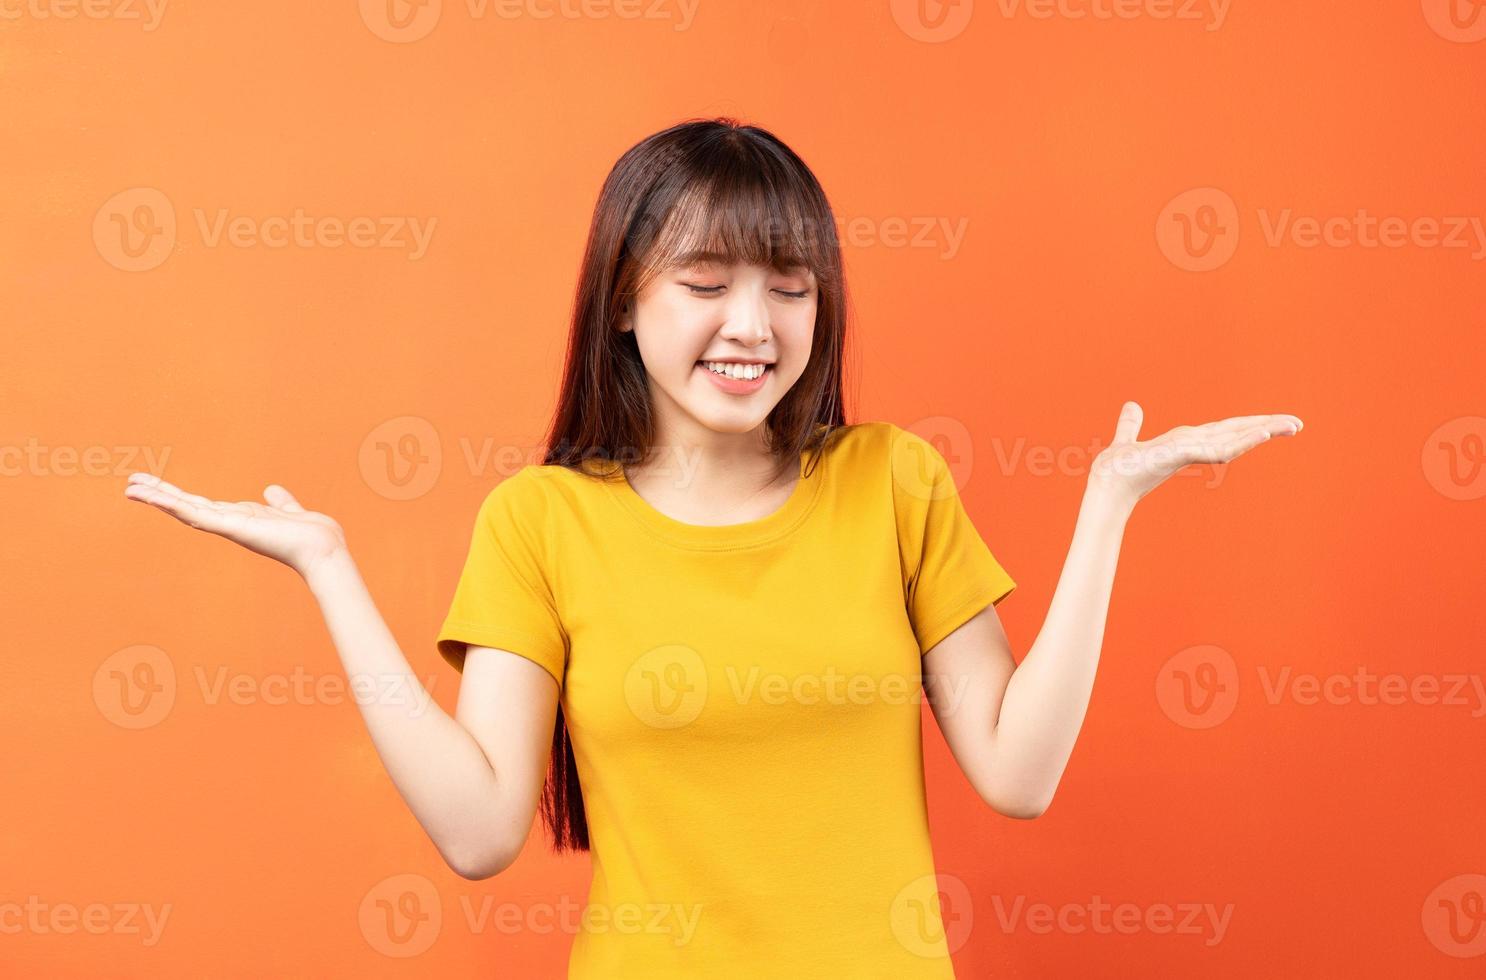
(1018, 806)
(1021, 810)
(478, 864)
(476, 871)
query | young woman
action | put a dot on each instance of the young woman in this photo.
(707, 616)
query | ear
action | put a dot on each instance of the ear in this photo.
(626, 318)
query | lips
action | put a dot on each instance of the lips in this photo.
(736, 386)
(749, 365)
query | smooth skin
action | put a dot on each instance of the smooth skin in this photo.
(1011, 727)
(473, 780)
(709, 464)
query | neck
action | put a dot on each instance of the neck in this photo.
(692, 456)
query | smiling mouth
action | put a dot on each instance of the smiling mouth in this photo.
(735, 370)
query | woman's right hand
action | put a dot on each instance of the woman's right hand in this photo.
(281, 529)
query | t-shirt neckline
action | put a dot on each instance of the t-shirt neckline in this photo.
(723, 537)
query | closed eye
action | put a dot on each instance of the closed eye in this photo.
(714, 290)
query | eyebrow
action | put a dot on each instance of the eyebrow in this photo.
(699, 256)
(702, 256)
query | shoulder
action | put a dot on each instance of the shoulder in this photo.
(882, 435)
(521, 487)
(864, 443)
(886, 461)
(542, 491)
(891, 448)
(524, 494)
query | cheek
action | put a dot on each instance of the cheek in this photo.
(668, 332)
(796, 332)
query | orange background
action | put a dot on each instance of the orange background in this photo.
(1337, 832)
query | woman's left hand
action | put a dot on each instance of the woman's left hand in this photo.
(1131, 469)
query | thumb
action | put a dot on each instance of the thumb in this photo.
(1129, 425)
(278, 497)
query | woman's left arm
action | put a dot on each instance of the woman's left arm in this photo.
(1011, 727)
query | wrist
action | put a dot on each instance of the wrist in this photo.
(1107, 502)
(322, 573)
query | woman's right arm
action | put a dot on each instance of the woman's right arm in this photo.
(473, 781)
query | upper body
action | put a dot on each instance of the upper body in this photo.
(744, 703)
(698, 635)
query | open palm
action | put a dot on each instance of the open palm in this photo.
(1133, 469)
(281, 529)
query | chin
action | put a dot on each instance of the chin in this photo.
(733, 420)
(730, 424)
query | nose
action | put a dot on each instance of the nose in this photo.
(747, 317)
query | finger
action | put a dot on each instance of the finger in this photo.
(1129, 425)
(278, 497)
(210, 516)
(1277, 424)
(1223, 450)
(154, 482)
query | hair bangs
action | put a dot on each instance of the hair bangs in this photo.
(732, 218)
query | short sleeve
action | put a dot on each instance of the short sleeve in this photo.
(949, 574)
(504, 597)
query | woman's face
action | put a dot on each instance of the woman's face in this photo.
(706, 328)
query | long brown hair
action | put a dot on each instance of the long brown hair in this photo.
(704, 184)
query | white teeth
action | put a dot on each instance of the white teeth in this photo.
(742, 372)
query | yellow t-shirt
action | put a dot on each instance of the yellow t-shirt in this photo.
(744, 703)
